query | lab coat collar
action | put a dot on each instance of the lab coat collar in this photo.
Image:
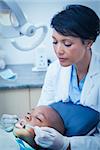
(91, 79)
(94, 68)
(63, 81)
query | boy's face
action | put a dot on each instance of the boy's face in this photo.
(40, 116)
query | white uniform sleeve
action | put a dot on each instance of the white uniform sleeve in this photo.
(7, 141)
(48, 89)
(86, 142)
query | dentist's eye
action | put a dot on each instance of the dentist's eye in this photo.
(54, 42)
(67, 45)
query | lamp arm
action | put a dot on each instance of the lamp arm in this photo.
(24, 28)
(13, 6)
(44, 32)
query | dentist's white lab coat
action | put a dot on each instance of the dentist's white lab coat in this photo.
(56, 87)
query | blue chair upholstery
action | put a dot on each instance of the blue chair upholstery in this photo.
(77, 119)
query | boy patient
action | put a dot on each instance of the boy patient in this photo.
(61, 116)
(40, 116)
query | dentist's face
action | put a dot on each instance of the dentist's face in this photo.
(69, 50)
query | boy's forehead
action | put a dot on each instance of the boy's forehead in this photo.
(40, 109)
(44, 110)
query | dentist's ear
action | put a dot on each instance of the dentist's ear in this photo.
(88, 44)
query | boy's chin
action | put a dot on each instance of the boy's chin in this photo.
(21, 132)
(26, 135)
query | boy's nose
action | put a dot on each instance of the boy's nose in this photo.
(28, 117)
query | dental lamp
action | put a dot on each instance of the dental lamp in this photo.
(23, 27)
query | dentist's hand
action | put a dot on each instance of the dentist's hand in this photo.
(7, 122)
(50, 138)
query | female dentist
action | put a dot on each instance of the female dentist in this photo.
(74, 76)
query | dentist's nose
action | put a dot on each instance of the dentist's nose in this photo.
(59, 49)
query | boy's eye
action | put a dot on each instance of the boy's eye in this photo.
(38, 118)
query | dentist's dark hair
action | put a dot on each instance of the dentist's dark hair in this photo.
(78, 21)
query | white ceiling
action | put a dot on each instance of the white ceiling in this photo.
(53, 1)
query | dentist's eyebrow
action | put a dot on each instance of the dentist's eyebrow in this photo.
(53, 37)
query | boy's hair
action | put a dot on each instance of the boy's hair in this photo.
(77, 20)
(55, 119)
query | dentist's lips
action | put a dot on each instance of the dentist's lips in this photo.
(62, 59)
